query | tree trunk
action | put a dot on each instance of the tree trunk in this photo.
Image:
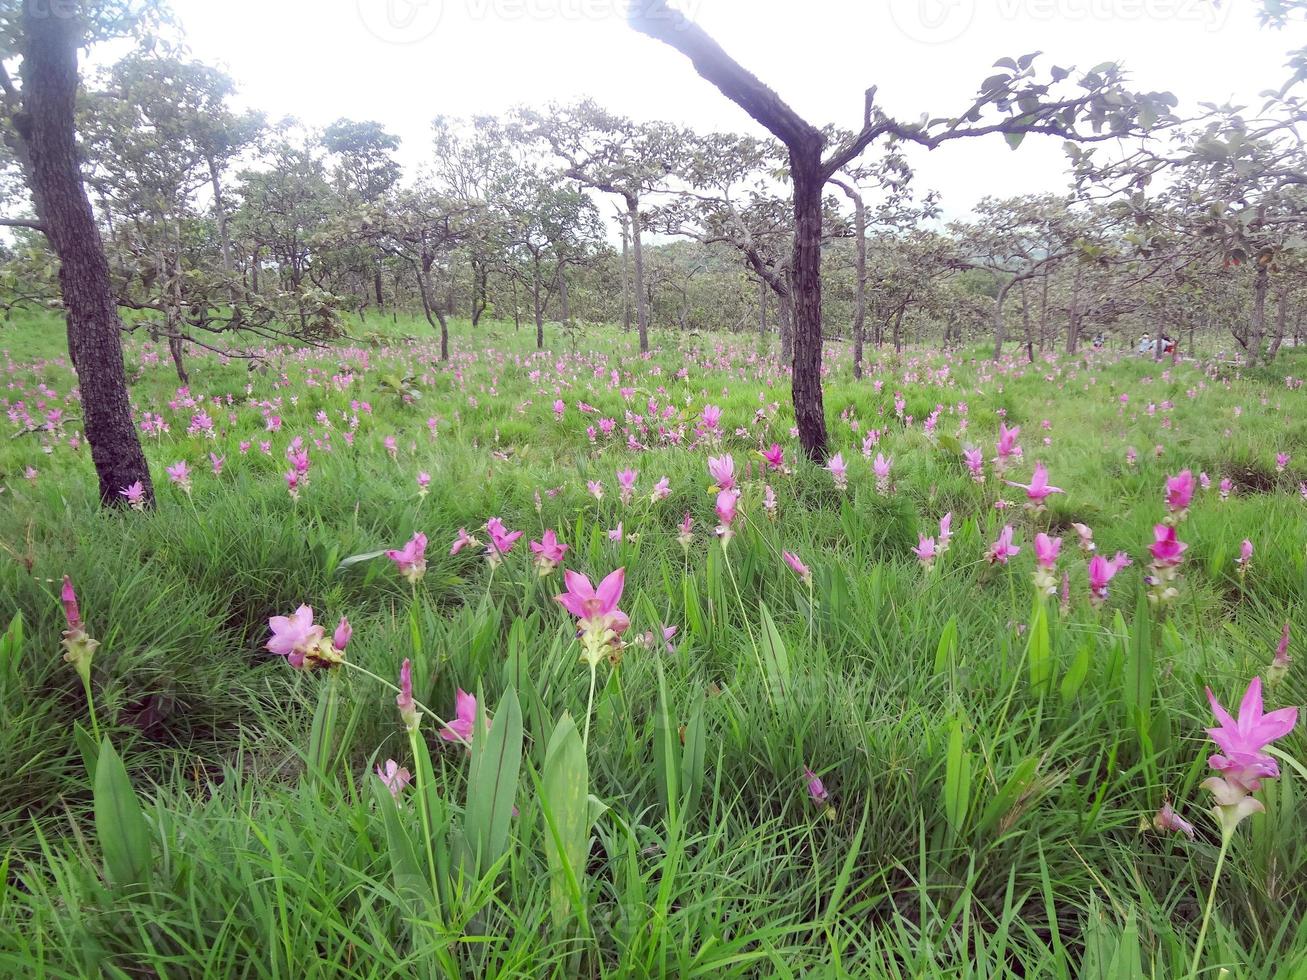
(1281, 322)
(224, 235)
(46, 125)
(1257, 325)
(859, 271)
(1025, 324)
(762, 310)
(376, 288)
(564, 300)
(539, 307)
(637, 250)
(898, 328)
(805, 279)
(626, 277)
(1074, 314)
(435, 316)
(999, 329)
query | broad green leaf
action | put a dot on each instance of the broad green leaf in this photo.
(775, 658)
(120, 824)
(565, 803)
(492, 781)
(1039, 658)
(957, 778)
(666, 749)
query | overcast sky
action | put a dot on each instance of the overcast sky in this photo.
(404, 61)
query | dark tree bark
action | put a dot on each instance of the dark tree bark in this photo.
(762, 310)
(377, 290)
(536, 301)
(46, 125)
(626, 277)
(637, 250)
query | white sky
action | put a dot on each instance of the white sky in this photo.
(404, 61)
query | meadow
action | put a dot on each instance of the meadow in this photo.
(880, 756)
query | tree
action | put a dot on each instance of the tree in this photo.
(1023, 104)
(43, 116)
(613, 154)
(365, 170)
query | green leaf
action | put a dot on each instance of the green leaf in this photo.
(957, 778)
(666, 749)
(565, 803)
(1014, 140)
(775, 658)
(1076, 673)
(492, 781)
(1007, 796)
(946, 652)
(1137, 679)
(120, 824)
(1039, 657)
(355, 559)
(692, 758)
(410, 883)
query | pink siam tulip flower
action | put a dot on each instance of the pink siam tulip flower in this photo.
(215, 462)
(1064, 607)
(135, 495)
(727, 500)
(408, 711)
(1179, 492)
(1227, 487)
(647, 640)
(945, 533)
(1166, 549)
(1204, 481)
(800, 569)
(463, 540)
(839, 471)
(548, 551)
(685, 533)
(1046, 550)
(1281, 462)
(661, 491)
(1002, 549)
(424, 483)
(616, 534)
(303, 643)
(1007, 446)
(712, 417)
(1085, 535)
(1167, 819)
(1038, 489)
(1244, 561)
(1131, 456)
(559, 408)
(722, 471)
(926, 551)
(394, 777)
(68, 597)
(343, 634)
(465, 712)
(411, 560)
(769, 501)
(501, 540)
(774, 457)
(1242, 763)
(626, 483)
(180, 474)
(880, 466)
(816, 789)
(595, 607)
(1101, 572)
(1279, 667)
(596, 489)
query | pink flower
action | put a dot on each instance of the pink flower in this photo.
(1281, 462)
(465, 712)
(769, 501)
(1226, 488)
(1245, 555)
(135, 494)
(945, 532)
(1282, 648)
(1002, 549)
(617, 533)
(1086, 536)
(712, 417)
(800, 569)
(774, 457)
(1166, 549)
(595, 608)
(1204, 481)
(68, 597)
(1241, 759)
(596, 489)
(549, 552)
(501, 539)
(1007, 441)
(394, 777)
(424, 482)
(722, 471)
(685, 531)
(295, 637)
(1102, 571)
(1168, 819)
(1179, 491)
(926, 550)
(404, 701)
(180, 474)
(216, 461)
(839, 470)
(1037, 490)
(559, 408)
(661, 491)
(463, 540)
(975, 461)
(1047, 550)
(411, 560)
(726, 509)
(344, 633)
(816, 789)
(626, 482)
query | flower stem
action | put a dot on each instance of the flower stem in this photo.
(1226, 837)
(589, 707)
(90, 705)
(424, 810)
(444, 726)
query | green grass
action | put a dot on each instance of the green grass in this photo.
(990, 800)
